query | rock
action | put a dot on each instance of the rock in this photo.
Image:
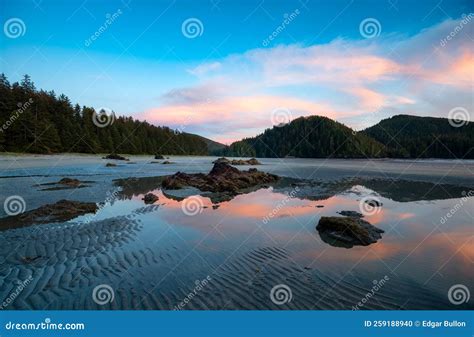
(215, 206)
(373, 203)
(70, 182)
(115, 157)
(347, 231)
(166, 162)
(353, 214)
(159, 156)
(150, 198)
(64, 184)
(221, 160)
(63, 210)
(223, 178)
(154, 162)
(251, 161)
(319, 206)
(110, 165)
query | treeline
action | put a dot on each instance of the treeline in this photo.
(37, 121)
(400, 136)
(424, 137)
(308, 137)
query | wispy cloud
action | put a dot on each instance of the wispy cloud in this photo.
(346, 79)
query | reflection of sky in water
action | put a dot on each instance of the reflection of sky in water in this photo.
(416, 244)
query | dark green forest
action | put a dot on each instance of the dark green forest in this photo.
(400, 136)
(309, 137)
(37, 121)
(424, 137)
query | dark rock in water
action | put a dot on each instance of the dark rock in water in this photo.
(347, 231)
(70, 182)
(110, 165)
(154, 162)
(373, 203)
(251, 161)
(64, 184)
(150, 198)
(353, 214)
(215, 206)
(166, 162)
(221, 160)
(63, 210)
(319, 206)
(223, 178)
(159, 156)
(115, 157)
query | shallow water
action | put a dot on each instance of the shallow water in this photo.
(152, 255)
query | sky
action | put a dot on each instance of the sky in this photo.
(230, 69)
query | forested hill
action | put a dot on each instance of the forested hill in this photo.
(309, 137)
(37, 121)
(424, 137)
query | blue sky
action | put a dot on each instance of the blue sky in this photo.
(227, 82)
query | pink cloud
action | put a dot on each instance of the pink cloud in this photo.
(234, 96)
